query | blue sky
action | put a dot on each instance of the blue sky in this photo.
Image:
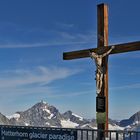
(33, 36)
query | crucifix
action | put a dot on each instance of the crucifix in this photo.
(100, 55)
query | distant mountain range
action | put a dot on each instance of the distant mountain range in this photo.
(45, 115)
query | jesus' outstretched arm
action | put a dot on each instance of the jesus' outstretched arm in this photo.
(108, 52)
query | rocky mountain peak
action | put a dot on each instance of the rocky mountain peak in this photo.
(4, 120)
(132, 121)
(136, 117)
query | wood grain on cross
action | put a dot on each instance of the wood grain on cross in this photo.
(102, 47)
(119, 48)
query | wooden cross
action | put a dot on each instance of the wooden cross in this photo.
(103, 47)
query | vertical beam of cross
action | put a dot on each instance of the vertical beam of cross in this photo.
(102, 34)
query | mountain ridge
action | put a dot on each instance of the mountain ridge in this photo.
(44, 115)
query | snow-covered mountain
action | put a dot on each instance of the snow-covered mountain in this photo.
(132, 122)
(43, 114)
(4, 120)
(69, 116)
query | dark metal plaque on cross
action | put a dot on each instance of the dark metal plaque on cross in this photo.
(100, 104)
(103, 47)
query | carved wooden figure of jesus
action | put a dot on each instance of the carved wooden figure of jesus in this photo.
(100, 69)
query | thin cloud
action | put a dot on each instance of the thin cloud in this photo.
(34, 83)
(131, 86)
(38, 76)
(49, 44)
(27, 37)
(87, 37)
(134, 72)
(64, 25)
(73, 94)
(136, 55)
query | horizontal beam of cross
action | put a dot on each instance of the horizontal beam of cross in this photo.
(118, 48)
